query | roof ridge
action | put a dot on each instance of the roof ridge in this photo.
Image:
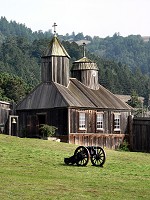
(85, 92)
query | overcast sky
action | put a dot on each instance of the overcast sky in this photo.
(92, 17)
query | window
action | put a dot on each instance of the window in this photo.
(117, 122)
(81, 120)
(99, 121)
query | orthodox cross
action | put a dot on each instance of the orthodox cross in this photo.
(83, 49)
(54, 25)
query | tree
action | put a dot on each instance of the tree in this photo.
(12, 88)
(79, 36)
(134, 101)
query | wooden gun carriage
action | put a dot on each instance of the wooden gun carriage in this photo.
(83, 154)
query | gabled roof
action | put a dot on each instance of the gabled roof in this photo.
(51, 95)
(55, 48)
(101, 98)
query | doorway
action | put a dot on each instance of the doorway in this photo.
(41, 120)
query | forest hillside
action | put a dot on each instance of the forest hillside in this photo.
(123, 62)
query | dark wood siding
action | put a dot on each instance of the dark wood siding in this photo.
(76, 74)
(125, 122)
(106, 121)
(74, 121)
(59, 118)
(91, 121)
(32, 126)
(46, 72)
(140, 134)
(29, 121)
(87, 77)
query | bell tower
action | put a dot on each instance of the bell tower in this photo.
(55, 62)
(86, 71)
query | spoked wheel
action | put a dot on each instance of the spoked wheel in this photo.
(98, 157)
(82, 156)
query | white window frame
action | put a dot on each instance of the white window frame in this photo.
(117, 120)
(82, 121)
(99, 121)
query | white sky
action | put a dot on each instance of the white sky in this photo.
(92, 17)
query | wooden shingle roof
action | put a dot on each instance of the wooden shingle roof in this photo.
(51, 95)
(84, 64)
(55, 48)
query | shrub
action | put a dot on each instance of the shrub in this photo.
(47, 130)
(124, 146)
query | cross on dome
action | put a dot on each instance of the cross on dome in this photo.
(83, 49)
(54, 25)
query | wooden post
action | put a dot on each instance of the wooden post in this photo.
(11, 117)
(69, 125)
(130, 121)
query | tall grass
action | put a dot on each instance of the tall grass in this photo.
(34, 169)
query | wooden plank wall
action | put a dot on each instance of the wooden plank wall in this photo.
(4, 116)
(91, 122)
(55, 69)
(111, 141)
(87, 77)
(140, 135)
(29, 122)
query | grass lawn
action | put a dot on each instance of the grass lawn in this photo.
(34, 169)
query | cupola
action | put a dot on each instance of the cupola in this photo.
(55, 62)
(86, 71)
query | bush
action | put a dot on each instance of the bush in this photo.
(48, 131)
(124, 146)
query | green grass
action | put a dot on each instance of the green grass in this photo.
(34, 169)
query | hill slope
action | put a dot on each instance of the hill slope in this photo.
(123, 63)
(34, 169)
(132, 50)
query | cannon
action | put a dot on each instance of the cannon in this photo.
(83, 154)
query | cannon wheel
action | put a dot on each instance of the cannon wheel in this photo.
(82, 156)
(98, 157)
